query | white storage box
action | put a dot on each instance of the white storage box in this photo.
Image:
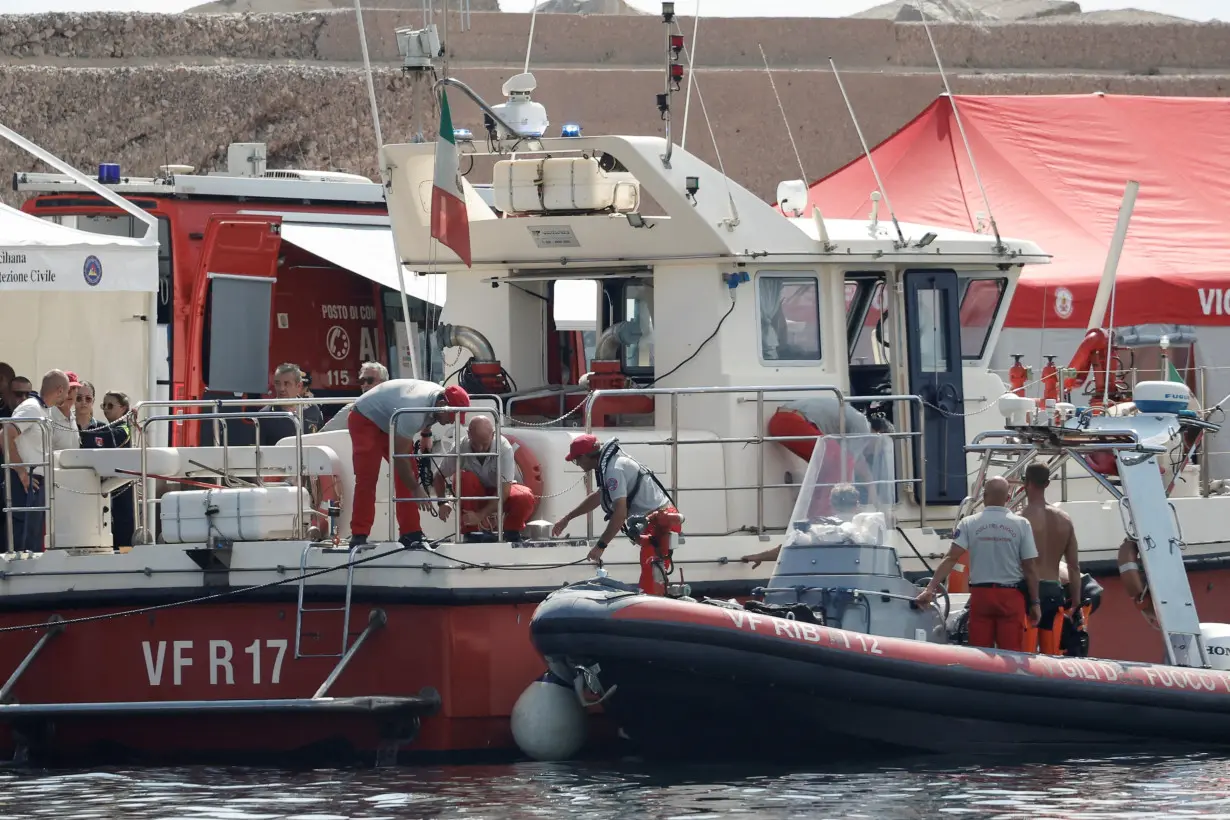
(562, 184)
(241, 514)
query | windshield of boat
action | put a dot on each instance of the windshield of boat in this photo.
(848, 492)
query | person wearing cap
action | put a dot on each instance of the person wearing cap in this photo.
(369, 424)
(627, 488)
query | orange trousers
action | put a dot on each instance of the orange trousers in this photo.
(517, 507)
(997, 618)
(369, 449)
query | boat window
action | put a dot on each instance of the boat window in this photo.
(864, 311)
(980, 302)
(638, 313)
(238, 344)
(789, 317)
(933, 330)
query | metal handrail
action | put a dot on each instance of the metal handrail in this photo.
(148, 502)
(496, 413)
(759, 440)
(7, 508)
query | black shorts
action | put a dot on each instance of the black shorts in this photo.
(1051, 597)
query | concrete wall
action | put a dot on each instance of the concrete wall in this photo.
(145, 90)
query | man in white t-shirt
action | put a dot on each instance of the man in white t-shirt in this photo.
(25, 455)
(627, 489)
(1002, 554)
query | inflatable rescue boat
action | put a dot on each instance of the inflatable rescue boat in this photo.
(836, 657)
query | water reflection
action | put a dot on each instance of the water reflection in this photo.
(1121, 788)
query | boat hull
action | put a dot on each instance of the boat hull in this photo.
(472, 648)
(701, 680)
(473, 660)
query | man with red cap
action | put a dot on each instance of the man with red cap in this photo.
(634, 501)
(369, 423)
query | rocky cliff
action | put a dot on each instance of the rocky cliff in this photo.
(147, 90)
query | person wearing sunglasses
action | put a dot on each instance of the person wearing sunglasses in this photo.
(370, 375)
(109, 435)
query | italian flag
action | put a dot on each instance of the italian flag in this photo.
(1172, 374)
(449, 222)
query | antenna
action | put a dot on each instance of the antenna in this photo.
(384, 178)
(687, 99)
(781, 108)
(867, 153)
(999, 244)
(529, 46)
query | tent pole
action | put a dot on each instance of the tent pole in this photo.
(151, 223)
(1106, 286)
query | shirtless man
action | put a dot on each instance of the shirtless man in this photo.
(1055, 538)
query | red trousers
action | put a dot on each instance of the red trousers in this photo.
(369, 449)
(997, 618)
(656, 547)
(517, 507)
(790, 423)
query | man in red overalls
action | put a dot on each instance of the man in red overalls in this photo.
(410, 404)
(627, 491)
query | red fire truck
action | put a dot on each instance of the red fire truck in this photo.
(257, 267)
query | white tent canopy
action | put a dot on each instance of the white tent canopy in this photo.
(73, 300)
(38, 255)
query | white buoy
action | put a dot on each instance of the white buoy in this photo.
(547, 721)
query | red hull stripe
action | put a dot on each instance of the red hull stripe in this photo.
(1164, 678)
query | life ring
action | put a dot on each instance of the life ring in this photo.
(531, 470)
(1131, 576)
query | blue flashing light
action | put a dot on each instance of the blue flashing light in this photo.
(109, 173)
(462, 134)
(570, 129)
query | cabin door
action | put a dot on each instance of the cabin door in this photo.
(933, 331)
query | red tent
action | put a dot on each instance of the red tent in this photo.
(1055, 168)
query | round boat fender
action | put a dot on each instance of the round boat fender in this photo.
(531, 470)
(548, 722)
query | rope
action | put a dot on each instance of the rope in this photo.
(280, 582)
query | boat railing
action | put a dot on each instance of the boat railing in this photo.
(759, 394)
(455, 498)
(1133, 376)
(562, 392)
(146, 510)
(1057, 455)
(48, 467)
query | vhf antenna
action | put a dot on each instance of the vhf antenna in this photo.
(867, 153)
(999, 244)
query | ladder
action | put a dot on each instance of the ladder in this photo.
(1151, 520)
(344, 609)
